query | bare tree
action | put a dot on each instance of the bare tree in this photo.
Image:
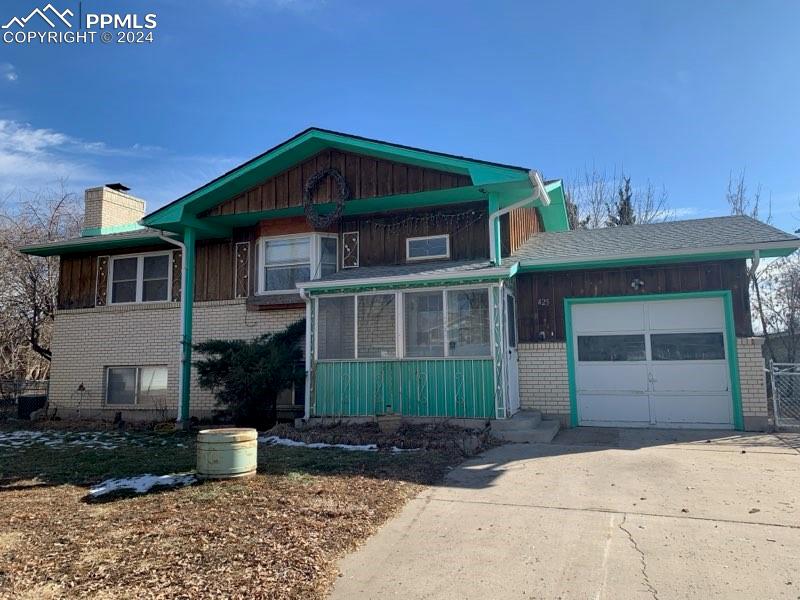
(741, 202)
(29, 284)
(595, 195)
(777, 307)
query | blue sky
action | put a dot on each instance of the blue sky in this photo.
(678, 93)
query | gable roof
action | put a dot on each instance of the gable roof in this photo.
(309, 142)
(697, 239)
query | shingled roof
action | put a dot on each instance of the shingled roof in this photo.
(700, 236)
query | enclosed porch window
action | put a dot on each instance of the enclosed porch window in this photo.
(439, 323)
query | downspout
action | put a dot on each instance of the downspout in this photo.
(495, 213)
(187, 301)
(307, 402)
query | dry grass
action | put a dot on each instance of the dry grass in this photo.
(276, 535)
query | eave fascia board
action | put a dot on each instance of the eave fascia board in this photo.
(316, 139)
(765, 250)
(491, 273)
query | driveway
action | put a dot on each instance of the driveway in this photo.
(599, 513)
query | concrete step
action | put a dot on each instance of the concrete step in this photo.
(522, 420)
(543, 433)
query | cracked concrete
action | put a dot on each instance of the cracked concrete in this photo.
(607, 514)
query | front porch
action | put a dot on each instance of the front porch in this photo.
(422, 341)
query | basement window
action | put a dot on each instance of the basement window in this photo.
(140, 278)
(136, 386)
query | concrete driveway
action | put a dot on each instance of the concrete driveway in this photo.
(598, 514)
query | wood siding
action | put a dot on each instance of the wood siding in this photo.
(77, 282)
(382, 237)
(366, 177)
(540, 296)
(517, 227)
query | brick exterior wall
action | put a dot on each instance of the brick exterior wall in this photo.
(85, 341)
(543, 379)
(753, 383)
(544, 383)
(104, 207)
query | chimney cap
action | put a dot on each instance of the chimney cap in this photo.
(119, 187)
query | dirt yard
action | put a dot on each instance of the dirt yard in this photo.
(276, 535)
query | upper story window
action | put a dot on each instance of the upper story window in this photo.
(287, 260)
(424, 248)
(140, 278)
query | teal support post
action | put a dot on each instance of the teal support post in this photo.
(187, 295)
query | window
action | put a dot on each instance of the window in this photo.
(289, 260)
(143, 278)
(136, 386)
(424, 317)
(687, 346)
(336, 327)
(468, 323)
(610, 348)
(432, 324)
(376, 326)
(423, 248)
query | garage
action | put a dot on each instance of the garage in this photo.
(656, 363)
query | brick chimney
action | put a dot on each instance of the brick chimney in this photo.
(110, 208)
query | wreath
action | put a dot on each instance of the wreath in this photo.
(342, 193)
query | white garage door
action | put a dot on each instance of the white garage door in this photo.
(652, 364)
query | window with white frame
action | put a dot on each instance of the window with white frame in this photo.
(136, 386)
(433, 323)
(140, 278)
(425, 248)
(287, 260)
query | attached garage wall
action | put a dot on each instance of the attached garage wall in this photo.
(540, 296)
(544, 383)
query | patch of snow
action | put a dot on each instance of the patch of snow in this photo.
(279, 441)
(142, 484)
(95, 440)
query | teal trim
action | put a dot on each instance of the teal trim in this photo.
(93, 231)
(730, 343)
(554, 216)
(355, 287)
(650, 260)
(187, 302)
(455, 388)
(305, 145)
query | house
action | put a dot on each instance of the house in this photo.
(432, 285)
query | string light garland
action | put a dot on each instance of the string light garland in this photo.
(454, 222)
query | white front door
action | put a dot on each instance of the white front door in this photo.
(659, 363)
(512, 357)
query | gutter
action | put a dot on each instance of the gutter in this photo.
(699, 253)
(307, 400)
(487, 273)
(181, 417)
(540, 193)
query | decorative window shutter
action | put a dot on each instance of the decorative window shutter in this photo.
(242, 270)
(177, 267)
(101, 292)
(349, 250)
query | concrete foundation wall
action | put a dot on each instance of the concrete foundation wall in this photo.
(544, 382)
(86, 341)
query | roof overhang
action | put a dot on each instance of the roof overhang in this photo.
(173, 216)
(489, 274)
(764, 250)
(93, 244)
